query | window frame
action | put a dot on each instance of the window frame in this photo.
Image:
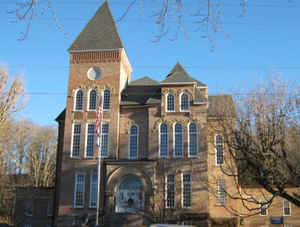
(75, 190)
(188, 102)
(75, 100)
(166, 190)
(137, 143)
(28, 202)
(72, 140)
(261, 208)
(289, 206)
(87, 134)
(93, 173)
(101, 138)
(182, 190)
(189, 140)
(89, 100)
(174, 140)
(159, 141)
(174, 102)
(216, 150)
(103, 100)
(221, 194)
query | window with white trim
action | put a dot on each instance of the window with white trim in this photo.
(90, 140)
(79, 190)
(219, 149)
(286, 208)
(163, 140)
(221, 192)
(106, 99)
(170, 191)
(184, 102)
(133, 142)
(193, 140)
(263, 209)
(178, 140)
(76, 140)
(92, 100)
(79, 100)
(170, 103)
(104, 139)
(186, 190)
(93, 190)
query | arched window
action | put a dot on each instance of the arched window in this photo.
(184, 102)
(193, 140)
(170, 103)
(106, 99)
(133, 142)
(79, 100)
(92, 100)
(163, 140)
(219, 149)
(178, 140)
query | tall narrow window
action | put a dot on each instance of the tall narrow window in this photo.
(170, 103)
(178, 140)
(28, 208)
(104, 139)
(79, 190)
(93, 190)
(263, 209)
(76, 140)
(286, 208)
(219, 149)
(193, 140)
(133, 142)
(79, 100)
(170, 191)
(184, 102)
(92, 100)
(90, 138)
(221, 192)
(164, 141)
(186, 190)
(106, 99)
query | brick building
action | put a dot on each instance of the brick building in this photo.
(158, 146)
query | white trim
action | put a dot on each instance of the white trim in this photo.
(93, 172)
(289, 208)
(166, 102)
(260, 209)
(93, 50)
(202, 87)
(174, 141)
(188, 110)
(72, 139)
(75, 99)
(166, 191)
(86, 139)
(106, 89)
(197, 136)
(182, 186)
(159, 141)
(137, 146)
(215, 143)
(75, 189)
(88, 100)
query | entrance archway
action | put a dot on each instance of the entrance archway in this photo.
(130, 196)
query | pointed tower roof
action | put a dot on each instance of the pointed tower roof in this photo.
(99, 33)
(179, 75)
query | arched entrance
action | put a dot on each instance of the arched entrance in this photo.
(130, 196)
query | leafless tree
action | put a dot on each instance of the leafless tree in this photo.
(262, 141)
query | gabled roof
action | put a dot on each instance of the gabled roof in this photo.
(179, 75)
(144, 81)
(99, 33)
(141, 95)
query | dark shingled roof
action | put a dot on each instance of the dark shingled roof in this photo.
(141, 95)
(179, 75)
(144, 81)
(221, 104)
(61, 116)
(100, 32)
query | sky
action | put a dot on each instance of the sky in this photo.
(255, 44)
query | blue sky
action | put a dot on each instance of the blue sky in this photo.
(263, 40)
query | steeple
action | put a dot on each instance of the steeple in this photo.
(100, 33)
